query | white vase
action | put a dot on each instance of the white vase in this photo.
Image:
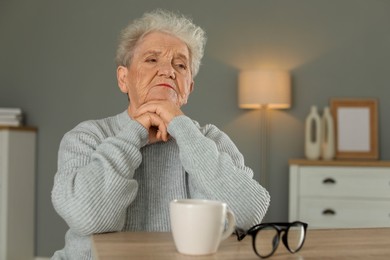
(313, 135)
(327, 135)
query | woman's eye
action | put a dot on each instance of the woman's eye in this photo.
(181, 66)
(151, 60)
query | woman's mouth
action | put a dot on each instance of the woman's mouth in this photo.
(165, 85)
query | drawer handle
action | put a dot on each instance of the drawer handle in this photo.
(329, 212)
(329, 181)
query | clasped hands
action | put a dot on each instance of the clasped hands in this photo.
(155, 116)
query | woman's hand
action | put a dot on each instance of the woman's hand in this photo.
(155, 116)
(164, 109)
(155, 125)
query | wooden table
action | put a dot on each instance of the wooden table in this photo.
(370, 243)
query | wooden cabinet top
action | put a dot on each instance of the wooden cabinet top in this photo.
(372, 163)
(18, 128)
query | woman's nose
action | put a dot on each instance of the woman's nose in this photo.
(166, 69)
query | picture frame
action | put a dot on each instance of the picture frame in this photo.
(356, 128)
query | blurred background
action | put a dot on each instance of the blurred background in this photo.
(57, 64)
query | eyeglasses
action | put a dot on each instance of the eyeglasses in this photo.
(266, 237)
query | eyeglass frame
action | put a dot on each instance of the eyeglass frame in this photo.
(279, 227)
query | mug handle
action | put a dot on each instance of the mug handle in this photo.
(231, 225)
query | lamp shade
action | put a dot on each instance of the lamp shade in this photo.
(264, 88)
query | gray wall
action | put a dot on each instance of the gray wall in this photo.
(56, 63)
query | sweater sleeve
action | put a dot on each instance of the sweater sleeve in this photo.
(94, 183)
(216, 171)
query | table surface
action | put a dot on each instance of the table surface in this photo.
(369, 243)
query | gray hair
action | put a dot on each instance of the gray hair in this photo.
(162, 21)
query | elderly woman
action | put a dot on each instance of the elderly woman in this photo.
(121, 172)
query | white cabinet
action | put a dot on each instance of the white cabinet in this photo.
(17, 193)
(340, 194)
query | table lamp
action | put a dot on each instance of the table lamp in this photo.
(264, 89)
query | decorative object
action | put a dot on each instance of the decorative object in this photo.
(264, 89)
(10, 116)
(313, 135)
(327, 135)
(356, 128)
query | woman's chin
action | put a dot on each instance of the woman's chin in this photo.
(162, 95)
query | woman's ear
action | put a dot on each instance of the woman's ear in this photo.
(188, 93)
(121, 75)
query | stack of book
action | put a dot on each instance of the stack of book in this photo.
(10, 116)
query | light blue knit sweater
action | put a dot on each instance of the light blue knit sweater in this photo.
(109, 179)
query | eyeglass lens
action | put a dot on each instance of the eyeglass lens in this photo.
(295, 237)
(266, 241)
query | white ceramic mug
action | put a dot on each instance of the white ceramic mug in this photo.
(198, 226)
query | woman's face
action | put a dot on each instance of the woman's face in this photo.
(159, 70)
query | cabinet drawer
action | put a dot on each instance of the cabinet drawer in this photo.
(367, 182)
(346, 213)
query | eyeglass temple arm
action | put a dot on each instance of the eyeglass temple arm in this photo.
(241, 233)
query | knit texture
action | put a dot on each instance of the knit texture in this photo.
(109, 179)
